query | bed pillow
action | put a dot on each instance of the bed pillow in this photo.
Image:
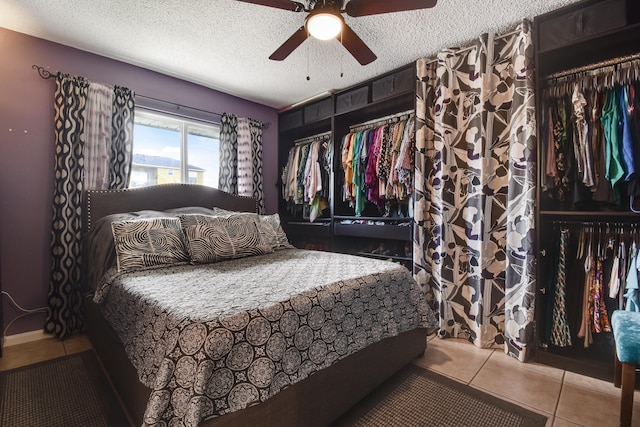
(216, 238)
(189, 210)
(150, 242)
(269, 226)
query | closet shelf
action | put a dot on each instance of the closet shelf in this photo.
(372, 218)
(391, 257)
(388, 231)
(309, 229)
(317, 223)
(587, 214)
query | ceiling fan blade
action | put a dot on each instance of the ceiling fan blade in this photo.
(375, 7)
(356, 46)
(290, 45)
(278, 4)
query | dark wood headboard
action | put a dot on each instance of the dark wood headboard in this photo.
(100, 203)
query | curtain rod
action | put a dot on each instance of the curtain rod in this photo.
(46, 74)
(381, 120)
(591, 67)
(464, 49)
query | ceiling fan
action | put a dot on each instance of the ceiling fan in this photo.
(325, 21)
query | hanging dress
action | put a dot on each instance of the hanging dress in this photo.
(560, 334)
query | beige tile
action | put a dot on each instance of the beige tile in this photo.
(76, 343)
(539, 368)
(559, 422)
(510, 382)
(596, 384)
(588, 407)
(457, 361)
(462, 344)
(19, 355)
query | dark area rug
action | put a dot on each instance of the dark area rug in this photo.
(68, 391)
(418, 397)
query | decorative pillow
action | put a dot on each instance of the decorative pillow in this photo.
(269, 226)
(150, 242)
(215, 238)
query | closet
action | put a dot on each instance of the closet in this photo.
(587, 61)
(368, 225)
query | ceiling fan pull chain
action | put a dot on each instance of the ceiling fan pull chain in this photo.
(308, 63)
(341, 57)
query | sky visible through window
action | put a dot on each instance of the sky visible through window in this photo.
(203, 152)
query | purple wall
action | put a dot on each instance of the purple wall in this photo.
(27, 149)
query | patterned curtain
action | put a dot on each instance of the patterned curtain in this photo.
(255, 134)
(228, 179)
(241, 158)
(82, 116)
(64, 314)
(121, 138)
(98, 136)
(475, 191)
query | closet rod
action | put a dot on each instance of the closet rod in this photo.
(464, 49)
(312, 138)
(46, 74)
(590, 67)
(590, 223)
(381, 121)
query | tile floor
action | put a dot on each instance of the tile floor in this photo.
(567, 399)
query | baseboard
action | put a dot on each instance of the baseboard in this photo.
(24, 337)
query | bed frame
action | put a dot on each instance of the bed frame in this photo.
(315, 401)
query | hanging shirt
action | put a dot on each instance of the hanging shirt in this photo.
(358, 195)
(551, 170)
(603, 192)
(560, 146)
(627, 142)
(371, 173)
(405, 162)
(312, 174)
(631, 294)
(578, 104)
(347, 163)
(304, 154)
(600, 317)
(612, 137)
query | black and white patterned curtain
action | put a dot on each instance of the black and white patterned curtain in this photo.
(228, 179)
(241, 158)
(121, 138)
(475, 191)
(65, 302)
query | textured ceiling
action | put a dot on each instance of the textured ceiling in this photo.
(225, 44)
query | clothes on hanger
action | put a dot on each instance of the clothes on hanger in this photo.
(378, 165)
(603, 263)
(560, 334)
(306, 176)
(591, 140)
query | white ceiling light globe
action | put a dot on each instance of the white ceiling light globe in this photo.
(324, 26)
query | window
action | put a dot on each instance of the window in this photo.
(170, 149)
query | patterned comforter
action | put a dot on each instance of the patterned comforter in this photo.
(211, 339)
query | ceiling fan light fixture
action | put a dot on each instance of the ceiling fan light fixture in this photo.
(324, 25)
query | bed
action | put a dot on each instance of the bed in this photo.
(281, 337)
